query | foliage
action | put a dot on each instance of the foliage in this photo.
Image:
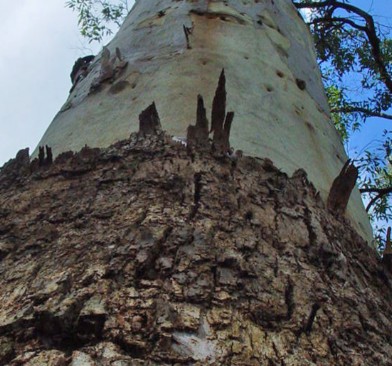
(97, 18)
(341, 121)
(355, 58)
(376, 184)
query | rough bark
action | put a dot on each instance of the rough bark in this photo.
(142, 254)
(170, 51)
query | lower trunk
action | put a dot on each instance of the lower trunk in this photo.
(145, 253)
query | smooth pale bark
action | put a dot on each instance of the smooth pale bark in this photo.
(273, 83)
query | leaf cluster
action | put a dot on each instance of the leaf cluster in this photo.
(355, 56)
(98, 18)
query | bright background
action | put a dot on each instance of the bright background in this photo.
(40, 42)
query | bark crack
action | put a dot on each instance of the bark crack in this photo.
(198, 185)
(289, 298)
(311, 318)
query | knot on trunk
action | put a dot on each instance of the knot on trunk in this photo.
(111, 68)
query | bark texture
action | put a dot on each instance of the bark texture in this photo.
(145, 253)
(170, 51)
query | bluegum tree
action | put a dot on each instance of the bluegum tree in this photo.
(138, 250)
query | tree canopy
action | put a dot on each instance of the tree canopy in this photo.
(355, 57)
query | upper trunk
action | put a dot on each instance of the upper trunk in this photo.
(176, 50)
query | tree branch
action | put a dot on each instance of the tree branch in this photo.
(372, 202)
(339, 20)
(367, 112)
(314, 5)
(382, 191)
(369, 30)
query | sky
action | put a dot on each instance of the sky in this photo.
(40, 42)
(369, 136)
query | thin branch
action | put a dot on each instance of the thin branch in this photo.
(314, 5)
(338, 20)
(369, 30)
(372, 202)
(367, 112)
(382, 191)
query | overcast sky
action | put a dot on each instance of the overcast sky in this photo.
(40, 42)
(39, 45)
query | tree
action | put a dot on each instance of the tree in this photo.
(149, 252)
(354, 53)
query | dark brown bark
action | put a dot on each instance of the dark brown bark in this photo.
(14, 169)
(197, 136)
(219, 104)
(342, 187)
(149, 122)
(220, 126)
(150, 256)
(220, 121)
(221, 138)
(45, 156)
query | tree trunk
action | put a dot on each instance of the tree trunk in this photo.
(171, 51)
(147, 253)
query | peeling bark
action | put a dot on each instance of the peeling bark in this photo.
(15, 169)
(219, 104)
(342, 187)
(197, 136)
(45, 156)
(175, 50)
(107, 71)
(141, 254)
(221, 138)
(109, 68)
(187, 32)
(220, 122)
(149, 122)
